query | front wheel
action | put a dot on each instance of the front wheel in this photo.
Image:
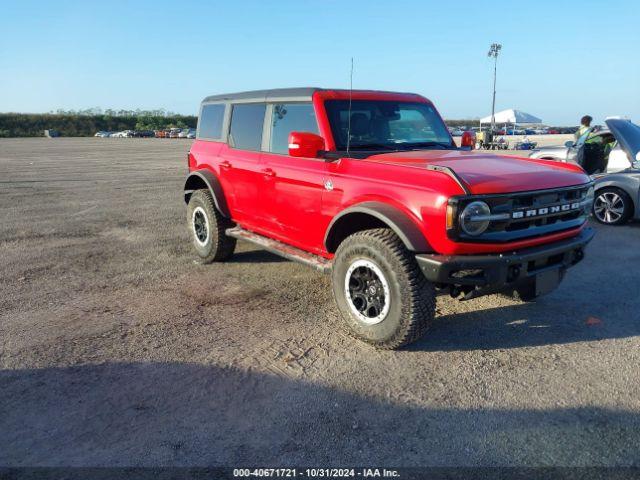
(612, 206)
(380, 291)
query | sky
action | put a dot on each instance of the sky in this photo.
(559, 60)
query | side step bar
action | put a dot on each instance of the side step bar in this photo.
(282, 249)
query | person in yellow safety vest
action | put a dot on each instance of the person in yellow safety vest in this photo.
(584, 128)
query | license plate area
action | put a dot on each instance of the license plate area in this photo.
(547, 281)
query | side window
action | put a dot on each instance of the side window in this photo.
(247, 121)
(287, 118)
(211, 119)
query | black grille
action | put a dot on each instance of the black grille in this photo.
(553, 220)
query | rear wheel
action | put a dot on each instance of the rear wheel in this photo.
(380, 291)
(207, 227)
(612, 206)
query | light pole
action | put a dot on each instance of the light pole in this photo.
(494, 50)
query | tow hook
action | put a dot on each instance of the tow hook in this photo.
(456, 290)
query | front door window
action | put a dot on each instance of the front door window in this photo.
(287, 118)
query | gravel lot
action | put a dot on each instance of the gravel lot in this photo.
(117, 349)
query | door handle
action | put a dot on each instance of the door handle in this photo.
(225, 164)
(267, 172)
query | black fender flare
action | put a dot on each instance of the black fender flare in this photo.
(398, 221)
(195, 181)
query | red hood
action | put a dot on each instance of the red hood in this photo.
(489, 173)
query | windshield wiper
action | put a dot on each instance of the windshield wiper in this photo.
(423, 145)
(372, 146)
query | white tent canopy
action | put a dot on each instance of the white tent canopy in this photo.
(512, 116)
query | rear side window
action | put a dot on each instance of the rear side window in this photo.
(247, 121)
(287, 118)
(211, 119)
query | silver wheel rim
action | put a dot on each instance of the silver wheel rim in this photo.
(608, 207)
(367, 292)
(200, 226)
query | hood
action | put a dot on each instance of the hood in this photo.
(628, 135)
(486, 173)
(552, 148)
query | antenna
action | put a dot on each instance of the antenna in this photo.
(349, 114)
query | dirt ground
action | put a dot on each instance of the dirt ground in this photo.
(117, 349)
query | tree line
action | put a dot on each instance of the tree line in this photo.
(86, 123)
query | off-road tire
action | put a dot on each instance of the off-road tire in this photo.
(217, 247)
(411, 296)
(624, 198)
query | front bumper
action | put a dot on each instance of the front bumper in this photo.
(477, 275)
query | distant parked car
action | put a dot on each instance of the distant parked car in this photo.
(457, 132)
(123, 134)
(145, 134)
(174, 132)
(185, 132)
(102, 134)
(567, 130)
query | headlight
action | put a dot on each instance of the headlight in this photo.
(474, 219)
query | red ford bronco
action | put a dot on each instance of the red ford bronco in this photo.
(370, 187)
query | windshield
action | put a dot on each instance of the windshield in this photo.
(386, 125)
